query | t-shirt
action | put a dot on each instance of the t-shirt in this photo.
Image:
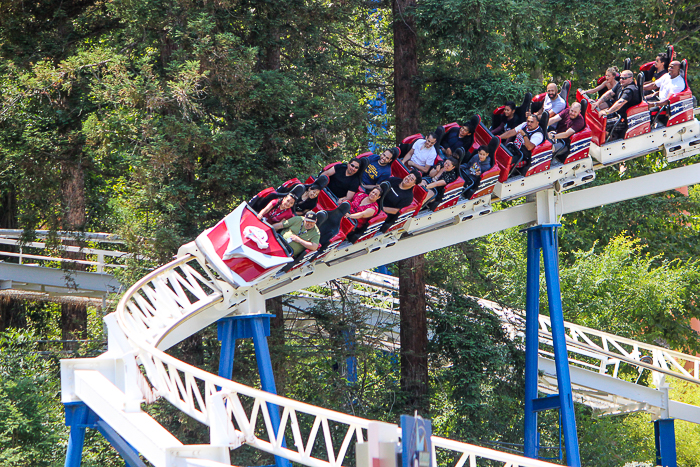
(565, 123)
(658, 75)
(557, 105)
(295, 226)
(630, 93)
(423, 156)
(536, 138)
(355, 208)
(475, 163)
(396, 197)
(277, 214)
(668, 86)
(375, 173)
(339, 183)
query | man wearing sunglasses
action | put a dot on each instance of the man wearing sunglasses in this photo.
(626, 95)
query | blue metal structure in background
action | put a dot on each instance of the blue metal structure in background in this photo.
(79, 417)
(256, 327)
(543, 239)
(665, 437)
(378, 123)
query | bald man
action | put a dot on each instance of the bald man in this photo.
(670, 83)
(553, 103)
(568, 121)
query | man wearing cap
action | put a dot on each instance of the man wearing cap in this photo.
(300, 232)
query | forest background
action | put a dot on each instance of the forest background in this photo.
(153, 119)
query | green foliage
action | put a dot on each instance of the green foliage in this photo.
(478, 373)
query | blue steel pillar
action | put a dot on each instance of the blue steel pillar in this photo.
(256, 327)
(665, 437)
(544, 238)
(79, 417)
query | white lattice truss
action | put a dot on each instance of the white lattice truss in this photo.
(236, 414)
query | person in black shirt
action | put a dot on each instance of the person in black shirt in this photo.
(441, 175)
(344, 179)
(509, 120)
(626, 95)
(399, 196)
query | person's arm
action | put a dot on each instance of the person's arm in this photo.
(603, 98)
(563, 135)
(436, 183)
(650, 86)
(614, 108)
(305, 243)
(389, 210)
(369, 212)
(554, 119)
(347, 197)
(598, 88)
(408, 156)
(526, 141)
(267, 209)
(329, 173)
(280, 225)
(508, 134)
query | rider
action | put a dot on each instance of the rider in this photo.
(626, 95)
(569, 121)
(528, 135)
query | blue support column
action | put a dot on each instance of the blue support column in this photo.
(256, 327)
(76, 419)
(665, 437)
(79, 417)
(544, 238)
(532, 311)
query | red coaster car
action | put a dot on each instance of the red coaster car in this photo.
(242, 249)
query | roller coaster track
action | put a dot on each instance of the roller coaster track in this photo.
(605, 367)
(186, 295)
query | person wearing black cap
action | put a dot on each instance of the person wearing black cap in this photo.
(399, 195)
(300, 232)
(278, 209)
(378, 169)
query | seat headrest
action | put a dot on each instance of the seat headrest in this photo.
(321, 217)
(385, 186)
(669, 55)
(640, 87)
(584, 107)
(459, 155)
(524, 107)
(492, 147)
(475, 120)
(395, 153)
(627, 63)
(439, 133)
(343, 209)
(684, 66)
(297, 191)
(564, 93)
(544, 121)
(321, 181)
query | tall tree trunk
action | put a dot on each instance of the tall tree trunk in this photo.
(73, 316)
(414, 328)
